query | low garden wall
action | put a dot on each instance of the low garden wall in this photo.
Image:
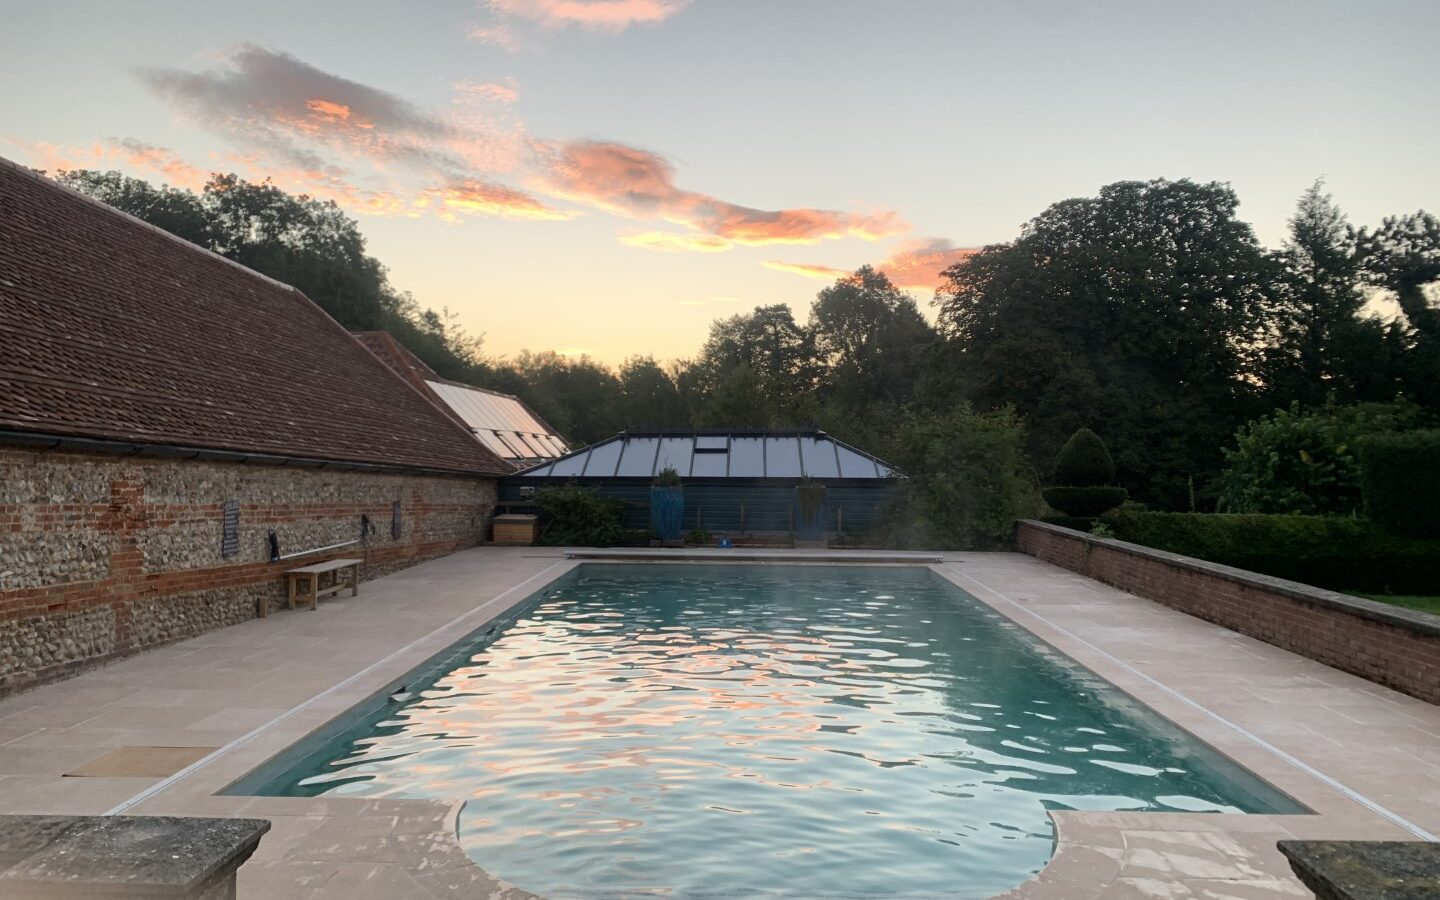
(1396, 647)
(103, 556)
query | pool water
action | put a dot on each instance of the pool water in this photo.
(758, 730)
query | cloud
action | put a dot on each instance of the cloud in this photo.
(913, 265)
(487, 90)
(670, 242)
(824, 273)
(123, 151)
(501, 36)
(294, 121)
(599, 15)
(637, 183)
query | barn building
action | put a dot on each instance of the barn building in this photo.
(176, 430)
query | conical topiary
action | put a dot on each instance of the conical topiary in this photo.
(1084, 472)
(1084, 461)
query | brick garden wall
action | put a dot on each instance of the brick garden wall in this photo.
(103, 556)
(1396, 647)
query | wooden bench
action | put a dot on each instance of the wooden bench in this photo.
(308, 577)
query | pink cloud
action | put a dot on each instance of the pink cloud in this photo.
(136, 155)
(670, 242)
(605, 15)
(640, 184)
(913, 265)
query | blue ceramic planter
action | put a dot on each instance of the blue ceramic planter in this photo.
(667, 512)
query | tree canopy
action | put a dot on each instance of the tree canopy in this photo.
(1148, 312)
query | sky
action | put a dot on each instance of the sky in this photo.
(608, 176)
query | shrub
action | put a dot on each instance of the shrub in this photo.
(1400, 481)
(1084, 477)
(1084, 461)
(667, 477)
(572, 516)
(967, 482)
(1306, 461)
(1084, 501)
(1341, 554)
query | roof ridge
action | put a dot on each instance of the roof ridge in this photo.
(51, 182)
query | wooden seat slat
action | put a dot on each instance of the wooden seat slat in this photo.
(319, 568)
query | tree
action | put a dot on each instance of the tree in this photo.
(763, 359)
(967, 480)
(871, 342)
(1307, 461)
(1403, 255)
(1318, 315)
(576, 395)
(648, 394)
(1139, 312)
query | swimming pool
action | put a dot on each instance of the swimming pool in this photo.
(752, 730)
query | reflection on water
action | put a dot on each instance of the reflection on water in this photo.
(816, 732)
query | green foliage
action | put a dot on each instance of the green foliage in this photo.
(1325, 551)
(1136, 312)
(1102, 529)
(811, 495)
(967, 481)
(1084, 461)
(1091, 500)
(700, 537)
(667, 477)
(572, 516)
(1306, 461)
(1400, 481)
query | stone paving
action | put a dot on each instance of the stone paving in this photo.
(1365, 759)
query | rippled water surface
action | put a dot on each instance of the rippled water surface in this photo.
(816, 732)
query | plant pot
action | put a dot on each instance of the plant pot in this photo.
(809, 506)
(667, 512)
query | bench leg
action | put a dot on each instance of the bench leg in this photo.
(290, 585)
(354, 581)
(314, 591)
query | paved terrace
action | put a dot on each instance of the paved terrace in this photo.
(1364, 758)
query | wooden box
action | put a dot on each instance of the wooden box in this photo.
(513, 528)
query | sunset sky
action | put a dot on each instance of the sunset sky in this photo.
(607, 176)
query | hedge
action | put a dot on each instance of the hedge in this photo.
(1340, 554)
(1084, 501)
(1400, 481)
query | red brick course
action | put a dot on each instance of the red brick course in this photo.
(1395, 647)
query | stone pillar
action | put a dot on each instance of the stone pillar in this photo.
(50, 857)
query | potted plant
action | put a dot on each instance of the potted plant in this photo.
(667, 504)
(1083, 483)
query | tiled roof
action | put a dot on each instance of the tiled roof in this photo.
(114, 330)
(394, 354)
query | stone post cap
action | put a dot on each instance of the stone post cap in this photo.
(117, 856)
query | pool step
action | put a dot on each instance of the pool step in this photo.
(742, 554)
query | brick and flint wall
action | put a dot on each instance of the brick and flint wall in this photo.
(1396, 647)
(103, 556)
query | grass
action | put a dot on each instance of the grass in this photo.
(1424, 604)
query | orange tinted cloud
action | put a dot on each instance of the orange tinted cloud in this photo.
(640, 184)
(670, 242)
(473, 196)
(824, 273)
(914, 265)
(607, 15)
(129, 152)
